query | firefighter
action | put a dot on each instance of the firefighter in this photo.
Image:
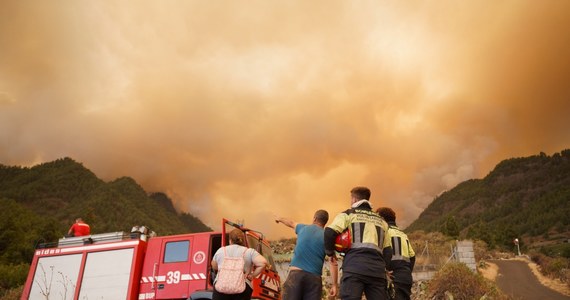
(364, 267)
(79, 228)
(304, 280)
(403, 256)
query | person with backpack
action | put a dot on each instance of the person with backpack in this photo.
(403, 256)
(236, 266)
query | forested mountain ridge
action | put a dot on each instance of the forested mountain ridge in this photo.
(40, 203)
(525, 197)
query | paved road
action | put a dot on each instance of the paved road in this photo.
(516, 279)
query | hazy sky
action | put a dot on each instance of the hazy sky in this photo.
(239, 109)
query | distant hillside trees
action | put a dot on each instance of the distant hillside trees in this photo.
(522, 197)
(450, 227)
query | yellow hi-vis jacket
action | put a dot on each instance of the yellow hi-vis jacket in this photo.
(403, 255)
(370, 247)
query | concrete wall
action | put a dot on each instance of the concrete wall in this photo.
(464, 253)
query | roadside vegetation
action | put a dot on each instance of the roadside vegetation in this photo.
(456, 281)
(554, 262)
(452, 280)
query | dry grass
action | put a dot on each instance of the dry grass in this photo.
(458, 281)
(489, 271)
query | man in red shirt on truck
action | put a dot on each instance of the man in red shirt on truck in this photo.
(79, 228)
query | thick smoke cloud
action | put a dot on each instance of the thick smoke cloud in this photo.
(242, 110)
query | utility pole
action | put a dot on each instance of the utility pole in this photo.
(516, 241)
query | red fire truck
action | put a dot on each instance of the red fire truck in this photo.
(135, 265)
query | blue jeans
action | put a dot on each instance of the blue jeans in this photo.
(302, 285)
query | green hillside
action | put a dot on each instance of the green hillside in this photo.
(525, 197)
(40, 203)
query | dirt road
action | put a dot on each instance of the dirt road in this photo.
(516, 279)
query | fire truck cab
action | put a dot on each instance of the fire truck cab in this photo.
(134, 265)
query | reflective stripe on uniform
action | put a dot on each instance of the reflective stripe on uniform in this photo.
(401, 248)
(366, 245)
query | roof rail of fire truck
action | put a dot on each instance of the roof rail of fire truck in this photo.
(137, 232)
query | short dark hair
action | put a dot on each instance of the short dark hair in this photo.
(322, 216)
(361, 192)
(387, 214)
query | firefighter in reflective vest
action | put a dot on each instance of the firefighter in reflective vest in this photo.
(363, 267)
(403, 256)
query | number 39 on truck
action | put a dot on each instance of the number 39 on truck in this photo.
(136, 265)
